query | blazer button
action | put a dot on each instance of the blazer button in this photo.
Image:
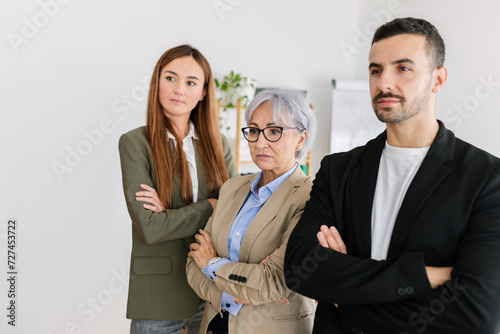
(401, 291)
(409, 290)
(243, 279)
(231, 276)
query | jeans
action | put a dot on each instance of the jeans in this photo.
(192, 325)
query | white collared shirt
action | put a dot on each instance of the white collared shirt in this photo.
(188, 147)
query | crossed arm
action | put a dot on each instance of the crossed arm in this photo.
(264, 282)
(471, 290)
(150, 219)
(152, 222)
(330, 238)
(203, 250)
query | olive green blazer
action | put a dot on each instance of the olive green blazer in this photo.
(158, 288)
(261, 285)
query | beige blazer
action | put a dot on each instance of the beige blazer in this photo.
(264, 284)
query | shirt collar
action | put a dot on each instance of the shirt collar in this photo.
(191, 132)
(274, 184)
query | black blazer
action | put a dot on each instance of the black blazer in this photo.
(450, 216)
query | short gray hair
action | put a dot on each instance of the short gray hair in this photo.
(288, 105)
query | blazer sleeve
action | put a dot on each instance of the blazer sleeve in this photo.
(264, 283)
(170, 224)
(201, 284)
(332, 277)
(475, 284)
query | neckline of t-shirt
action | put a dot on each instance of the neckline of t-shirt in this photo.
(405, 152)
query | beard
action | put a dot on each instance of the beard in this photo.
(402, 111)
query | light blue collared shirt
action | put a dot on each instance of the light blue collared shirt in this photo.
(253, 203)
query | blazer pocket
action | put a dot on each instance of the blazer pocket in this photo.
(291, 317)
(152, 265)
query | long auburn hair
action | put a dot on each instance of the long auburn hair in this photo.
(206, 123)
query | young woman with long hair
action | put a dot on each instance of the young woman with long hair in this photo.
(172, 170)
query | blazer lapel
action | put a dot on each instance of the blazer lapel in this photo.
(361, 194)
(200, 172)
(228, 219)
(430, 174)
(270, 210)
(177, 200)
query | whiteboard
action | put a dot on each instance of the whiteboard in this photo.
(353, 120)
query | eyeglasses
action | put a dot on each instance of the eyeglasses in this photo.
(271, 133)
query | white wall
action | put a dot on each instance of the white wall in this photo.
(74, 83)
(470, 100)
(80, 74)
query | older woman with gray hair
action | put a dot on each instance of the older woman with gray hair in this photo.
(237, 262)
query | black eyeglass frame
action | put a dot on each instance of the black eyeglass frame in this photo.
(262, 131)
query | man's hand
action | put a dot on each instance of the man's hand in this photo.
(438, 275)
(330, 238)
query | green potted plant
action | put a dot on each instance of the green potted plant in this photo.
(232, 87)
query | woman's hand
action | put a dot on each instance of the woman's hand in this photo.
(284, 301)
(241, 301)
(213, 202)
(268, 257)
(203, 250)
(330, 238)
(150, 196)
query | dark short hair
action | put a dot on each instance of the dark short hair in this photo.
(410, 25)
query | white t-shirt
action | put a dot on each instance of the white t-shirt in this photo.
(397, 168)
(188, 147)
